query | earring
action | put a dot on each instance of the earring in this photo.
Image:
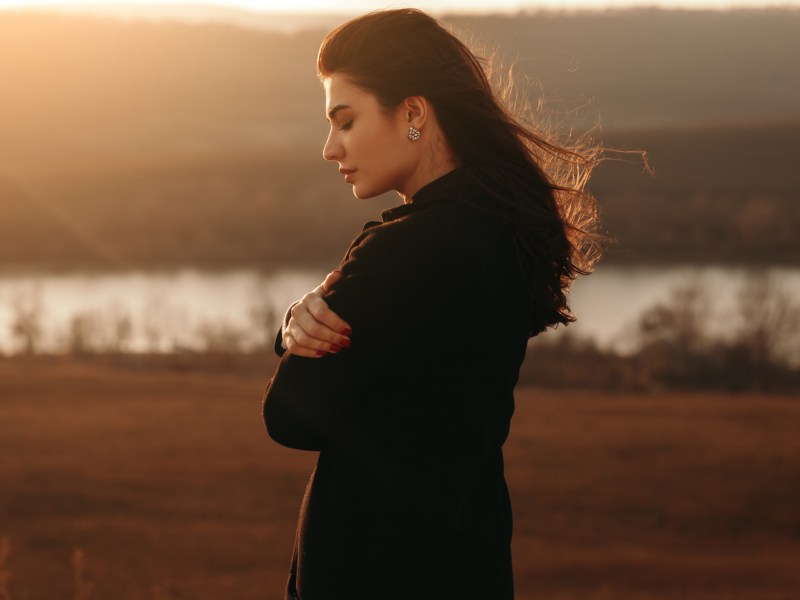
(414, 133)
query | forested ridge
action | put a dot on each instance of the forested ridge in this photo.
(137, 144)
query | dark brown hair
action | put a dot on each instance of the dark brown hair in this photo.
(395, 54)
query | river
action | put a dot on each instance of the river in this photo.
(194, 309)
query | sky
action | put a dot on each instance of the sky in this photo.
(429, 5)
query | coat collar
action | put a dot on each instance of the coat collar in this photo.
(435, 191)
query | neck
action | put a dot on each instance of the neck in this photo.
(423, 177)
(435, 159)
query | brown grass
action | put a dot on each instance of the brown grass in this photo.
(162, 483)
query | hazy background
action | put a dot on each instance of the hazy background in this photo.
(163, 199)
(142, 144)
(136, 141)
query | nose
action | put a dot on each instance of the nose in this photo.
(331, 150)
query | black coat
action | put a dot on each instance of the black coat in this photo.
(408, 499)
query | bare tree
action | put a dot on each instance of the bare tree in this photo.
(161, 323)
(673, 335)
(26, 321)
(768, 335)
(221, 336)
(266, 321)
(120, 329)
(84, 333)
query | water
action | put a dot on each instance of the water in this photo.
(193, 310)
(167, 310)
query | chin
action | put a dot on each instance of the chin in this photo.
(363, 192)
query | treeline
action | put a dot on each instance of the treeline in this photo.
(725, 195)
(678, 346)
(256, 211)
(677, 343)
(147, 145)
(716, 196)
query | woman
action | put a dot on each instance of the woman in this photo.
(400, 368)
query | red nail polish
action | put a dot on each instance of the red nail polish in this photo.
(321, 353)
(347, 331)
(335, 348)
(344, 343)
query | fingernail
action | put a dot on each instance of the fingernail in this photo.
(344, 343)
(335, 348)
(347, 331)
(321, 353)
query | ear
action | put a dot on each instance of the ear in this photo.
(415, 111)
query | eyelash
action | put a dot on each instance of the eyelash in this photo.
(347, 125)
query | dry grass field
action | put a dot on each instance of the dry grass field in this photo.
(164, 479)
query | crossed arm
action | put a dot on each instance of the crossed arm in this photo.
(310, 328)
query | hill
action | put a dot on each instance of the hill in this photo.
(718, 195)
(89, 91)
(146, 144)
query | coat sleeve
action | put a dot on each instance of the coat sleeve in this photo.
(279, 348)
(386, 294)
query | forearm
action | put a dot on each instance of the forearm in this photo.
(289, 422)
(306, 398)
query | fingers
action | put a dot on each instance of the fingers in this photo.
(332, 278)
(292, 347)
(300, 343)
(319, 308)
(318, 321)
(314, 329)
(333, 326)
(324, 314)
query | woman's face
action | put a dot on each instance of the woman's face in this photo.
(371, 146)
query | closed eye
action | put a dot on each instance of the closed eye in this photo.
(347, 125)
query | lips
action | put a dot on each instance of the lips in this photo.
(347, 173)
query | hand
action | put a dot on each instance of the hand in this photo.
(314, 330)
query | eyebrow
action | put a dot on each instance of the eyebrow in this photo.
(332, 112)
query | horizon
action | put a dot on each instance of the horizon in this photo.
(302, 15)
(192, 9)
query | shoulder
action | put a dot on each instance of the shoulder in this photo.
(452, 231)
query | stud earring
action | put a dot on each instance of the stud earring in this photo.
(414, 133)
